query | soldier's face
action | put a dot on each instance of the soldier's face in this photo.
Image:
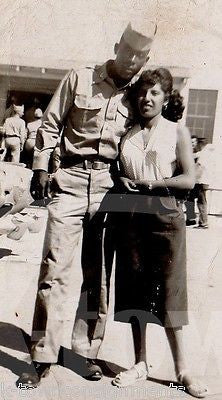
(128, 61)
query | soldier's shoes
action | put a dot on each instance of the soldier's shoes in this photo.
(92, 371)
(32, 379)
(190, 222)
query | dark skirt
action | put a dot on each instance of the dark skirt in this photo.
(150, 277)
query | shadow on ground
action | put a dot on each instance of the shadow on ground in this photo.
(76, 363)
(5, 253)
(14, 337)
(15, 365)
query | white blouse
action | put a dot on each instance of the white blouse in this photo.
(156, 160)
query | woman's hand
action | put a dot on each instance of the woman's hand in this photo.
(144, 184)
(128, 184)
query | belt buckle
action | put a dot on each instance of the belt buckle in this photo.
(97, 165)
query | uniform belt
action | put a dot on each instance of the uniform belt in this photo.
(10, 136)
(85, 164)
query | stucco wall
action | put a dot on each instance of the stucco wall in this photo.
(52, 32)
(62, 33)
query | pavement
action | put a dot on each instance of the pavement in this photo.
(19, 268)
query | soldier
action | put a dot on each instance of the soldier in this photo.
(32, 128)
(199, 191)
(90, 109)
(15, 133)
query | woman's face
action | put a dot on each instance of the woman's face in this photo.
(150, 100)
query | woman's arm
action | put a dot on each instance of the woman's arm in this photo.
(186, 180)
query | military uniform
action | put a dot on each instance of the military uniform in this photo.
(93, 114)
(15, 133)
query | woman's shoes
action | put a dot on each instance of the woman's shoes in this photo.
(130, 377)
(196, 389)
(93, 371)
(138, 373)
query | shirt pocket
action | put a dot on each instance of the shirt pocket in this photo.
(87, 112)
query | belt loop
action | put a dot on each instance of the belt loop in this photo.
(85, 164)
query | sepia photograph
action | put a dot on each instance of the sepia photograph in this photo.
(110, 199)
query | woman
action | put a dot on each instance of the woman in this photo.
(157, 164)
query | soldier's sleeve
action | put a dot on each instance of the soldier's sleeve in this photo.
(53, 120)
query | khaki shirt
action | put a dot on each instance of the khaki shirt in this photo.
(93, 112)
(32, 128)
(15, 126)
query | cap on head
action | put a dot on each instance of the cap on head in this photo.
(38, 113)
(140, 36)
(18, 108)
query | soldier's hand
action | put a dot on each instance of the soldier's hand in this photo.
(39, 185)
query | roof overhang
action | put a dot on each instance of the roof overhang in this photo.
(57, 73)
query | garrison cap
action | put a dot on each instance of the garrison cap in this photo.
(140, 36)
(18, 108)
(38, 113)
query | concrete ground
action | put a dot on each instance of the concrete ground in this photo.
(19, 267)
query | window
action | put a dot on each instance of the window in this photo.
(201, 113)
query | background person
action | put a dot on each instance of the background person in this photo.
(15, 134)
(150, 280)
(9, 112)
(32, 128)
(200, 189)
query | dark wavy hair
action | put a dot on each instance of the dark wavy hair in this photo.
(173, 111)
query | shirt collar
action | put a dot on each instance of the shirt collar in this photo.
(101, 74)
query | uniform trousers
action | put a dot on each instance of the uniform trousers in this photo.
(78, 196)
(198, 192)
(12, 145)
